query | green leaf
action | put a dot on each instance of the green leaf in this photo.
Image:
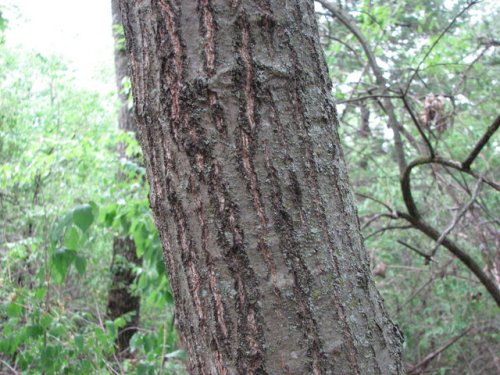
(80, 264)
(120, 322)
(45, 321)
(112, 329)
(61, 260)
(14, 310)
(40, 294)
(86, 366)
(83, 216)
(79, 342)
(59, 226)
(34, 330)
(95, 208)
(109, 218)
(71, 238)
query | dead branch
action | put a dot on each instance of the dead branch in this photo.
(481, 143)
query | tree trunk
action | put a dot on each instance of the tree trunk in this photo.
(121, 299)
(250, 192)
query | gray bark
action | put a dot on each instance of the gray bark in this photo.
(249, 190)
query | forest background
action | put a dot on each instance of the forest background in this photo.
(416, 87)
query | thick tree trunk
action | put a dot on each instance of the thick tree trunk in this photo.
(250, 192)
(121, 299)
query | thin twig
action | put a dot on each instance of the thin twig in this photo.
(375, 218)
(435, 353)
(417, 124)
(481, 143)
(458, 217)
(361, 98)
(465, 258)
(423, 286)
(14, 371)
(450, 25)
(468, 69)
(427, 257)
(384, 229)
(362, 195)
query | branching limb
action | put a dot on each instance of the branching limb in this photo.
(406, 179)
(465, 258)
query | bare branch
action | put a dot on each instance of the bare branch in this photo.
(428, 358)
(417, 124)
(458, 216)
(382, 230)
(361, 98)
(481, 143)
(348, 21)
(465, 258)
(406, 179)
(427, 257)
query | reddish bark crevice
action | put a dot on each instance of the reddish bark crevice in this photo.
(259, 232)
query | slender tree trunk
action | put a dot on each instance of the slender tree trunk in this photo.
(121, 299)
(250, 192)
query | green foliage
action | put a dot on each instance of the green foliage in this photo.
(3, 27)
(120, 37)
(61, 204)
(435, 301)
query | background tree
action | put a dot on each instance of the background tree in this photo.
(250, 192)
(61, 206)
(122, 299)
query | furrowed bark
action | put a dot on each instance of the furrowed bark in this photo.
(250, 192)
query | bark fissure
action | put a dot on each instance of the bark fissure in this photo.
(249, 190)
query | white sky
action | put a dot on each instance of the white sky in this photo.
(77, 30)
